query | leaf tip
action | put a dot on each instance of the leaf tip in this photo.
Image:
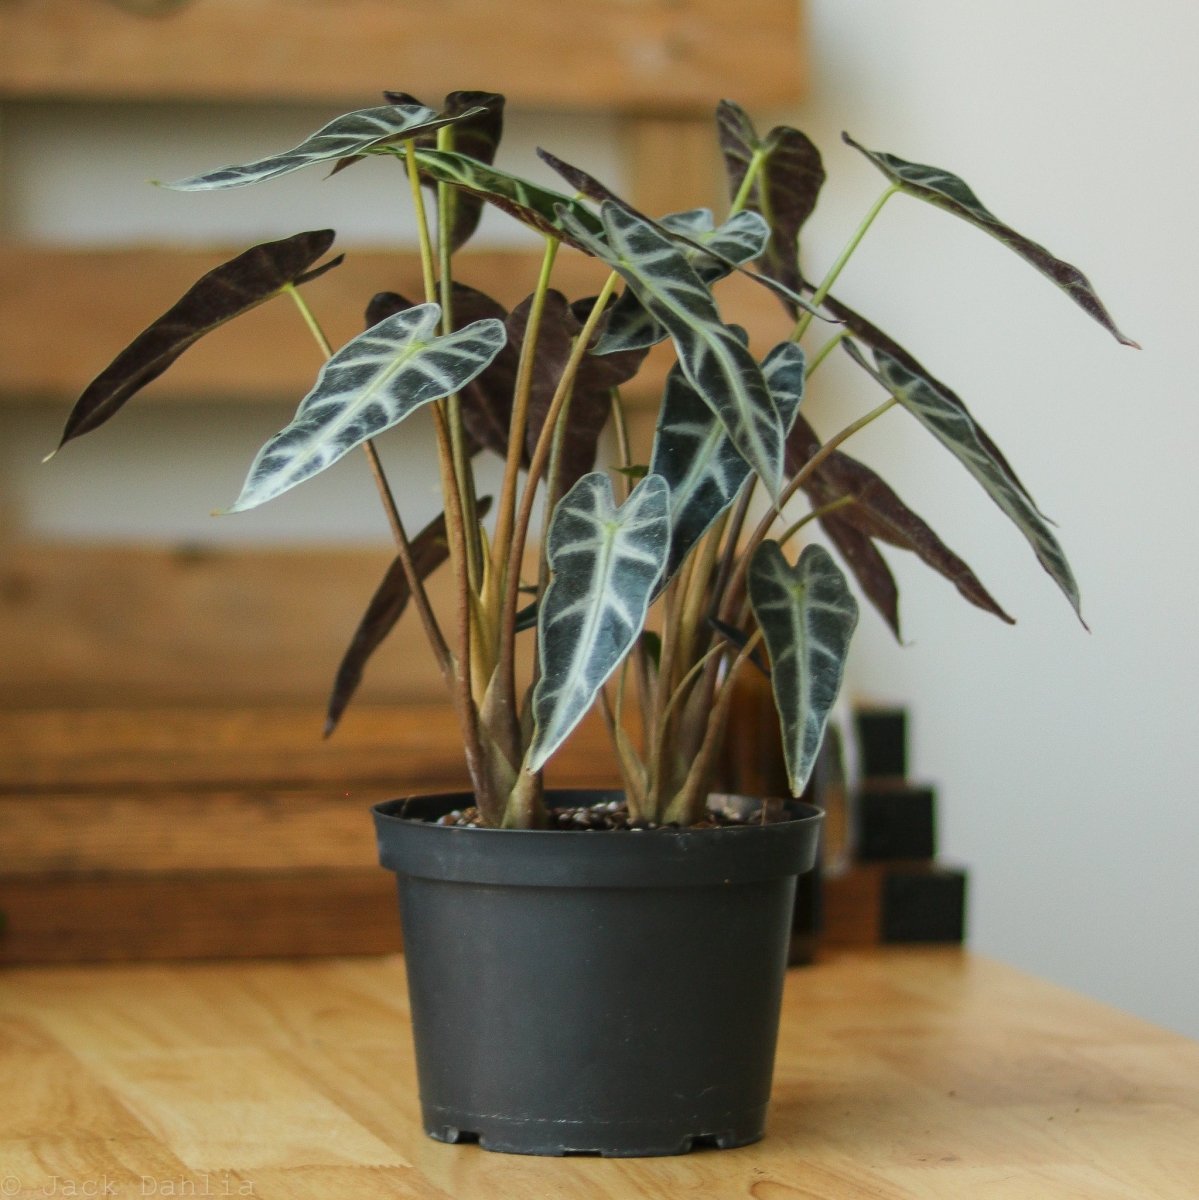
(52, 453)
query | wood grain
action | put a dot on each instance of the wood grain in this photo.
(200, 833)
(157, 751)
(610, 55)
(249, 914)
(901, 1075)
(126, 624)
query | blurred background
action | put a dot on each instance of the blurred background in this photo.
(1066, 760)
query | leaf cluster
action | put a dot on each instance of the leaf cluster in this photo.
(651, 583)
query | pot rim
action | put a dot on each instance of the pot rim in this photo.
(414, 845)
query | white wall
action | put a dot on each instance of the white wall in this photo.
(1066, 760)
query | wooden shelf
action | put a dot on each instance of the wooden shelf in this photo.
(676, 56)
(200, 832)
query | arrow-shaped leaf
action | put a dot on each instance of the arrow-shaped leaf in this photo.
(790, 175)
(533, 205)
(876, 339)
(949, 192)
(355, 133)
(876, 513)
(225, 292)
(739, 240)
(807, 616)
(954, 429)
(605, 562)
(369, 385)
(588, 185)
(694, 455)
(716, 364)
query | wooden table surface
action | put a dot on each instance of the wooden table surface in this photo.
(902, 1073)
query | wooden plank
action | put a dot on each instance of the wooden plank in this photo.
(656, 55)
(87, 624)
(283, 914)
(673, 163)
(852, 906)
(189, 832)
(908, 1073)
(267, 354)
(403, 749)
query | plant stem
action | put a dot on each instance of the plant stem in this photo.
(815, 515)
(688, 806)
(624, 450)
(403, 545)
(732, 594)
(422, 223)
(835, 270)
(506, 668)
(310, 320)
(752, 171)
(445, 282)
(461, 540)
(632, 769)
(522, 392)
(825, 351)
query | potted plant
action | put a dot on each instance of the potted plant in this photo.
(602, 973)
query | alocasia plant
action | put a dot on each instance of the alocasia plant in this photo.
(670, 532)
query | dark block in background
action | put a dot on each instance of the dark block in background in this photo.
(896, 822)
(924, 904)
(882, 742)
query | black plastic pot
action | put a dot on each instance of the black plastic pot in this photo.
(594, 993)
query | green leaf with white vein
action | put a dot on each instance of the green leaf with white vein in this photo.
(605, 561)
(715, 362)
(369, 385)
(807, 616)
(359, 132)
(535, 206)
(739, 240)
(694, 455)
(953, 427)
(954, 195)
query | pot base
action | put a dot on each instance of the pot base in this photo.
(600, 1139)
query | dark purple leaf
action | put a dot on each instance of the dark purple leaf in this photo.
(430, 548)
(486, 401)
(947, 191)
(478, 137)
(877, 514)
(225, 292)
(788, 184)
(868, 566)
(383, 305)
